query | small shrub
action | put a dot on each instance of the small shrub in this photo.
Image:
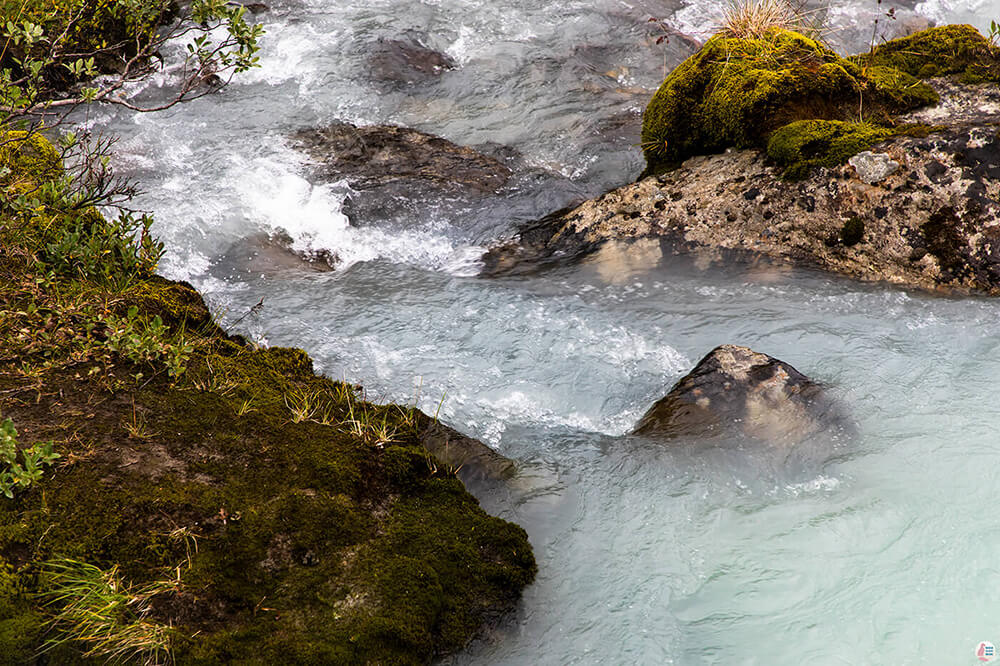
(144, 341)
(15, 475)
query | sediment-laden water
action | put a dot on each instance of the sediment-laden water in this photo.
(884, 549)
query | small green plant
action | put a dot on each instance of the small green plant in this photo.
(114, 253)
(994, 35)
(15, 475)
(302, 404)
(136, 425)
(109, 617)
(142, 341)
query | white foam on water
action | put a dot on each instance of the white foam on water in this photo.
(279, 199)
(529, 405)
(287, 53)
(820, 484)
(976, 12)
(697, 19)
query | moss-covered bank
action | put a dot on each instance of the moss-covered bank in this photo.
(740, 92)
(296, 522)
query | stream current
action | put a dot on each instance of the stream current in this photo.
(884, 551)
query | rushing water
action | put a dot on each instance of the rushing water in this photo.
(886, 550)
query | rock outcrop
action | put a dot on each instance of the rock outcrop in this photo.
(471, 459)
(919, 209)
(736, 388)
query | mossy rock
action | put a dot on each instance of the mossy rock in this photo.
(307, 544)
(801, 145)
(736, 92)
(950, 50)
(899, 89)
(26, 160)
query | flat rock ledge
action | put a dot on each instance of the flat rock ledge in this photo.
(933, 222)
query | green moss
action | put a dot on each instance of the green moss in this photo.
(951, 50)
(801, 145)
(900, 89)
(736, 92)
(27, 160)
(20, 625)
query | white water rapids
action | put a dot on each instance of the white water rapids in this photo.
(886, 553)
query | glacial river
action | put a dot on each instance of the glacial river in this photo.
(883, 550)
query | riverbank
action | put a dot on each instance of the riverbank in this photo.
(236, 506)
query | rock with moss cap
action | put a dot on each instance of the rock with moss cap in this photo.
(933, 222)
(736, 92)
(952, 50)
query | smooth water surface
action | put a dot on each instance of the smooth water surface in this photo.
(885, 549)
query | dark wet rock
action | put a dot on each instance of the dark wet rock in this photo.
(740, 389)
(933, 223)
(373, 156)
(473, 460)
(270, 254)
(407, 61)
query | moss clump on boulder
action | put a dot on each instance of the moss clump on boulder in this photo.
(853, 231)
(736, 92)
(950, 50)
(801, 145)
(26, 160)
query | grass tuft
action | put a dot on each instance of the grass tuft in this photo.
(110, 618)
(753, 19)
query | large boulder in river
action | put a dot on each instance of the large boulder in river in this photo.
(372, 156)
(915, 202)
(392, 169)
(737, 388)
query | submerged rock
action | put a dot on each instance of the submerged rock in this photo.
(736, 387)
(407, 61)
(272, 254)
(378, 155)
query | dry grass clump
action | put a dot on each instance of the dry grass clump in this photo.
(752, 19)
(108, 617)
